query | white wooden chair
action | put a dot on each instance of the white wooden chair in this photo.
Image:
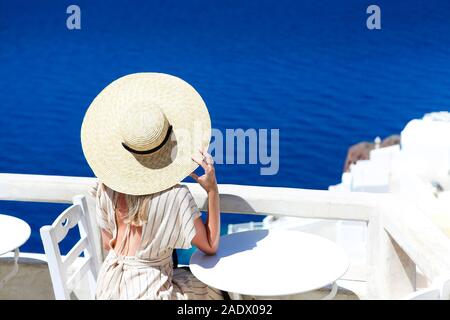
(63, 283)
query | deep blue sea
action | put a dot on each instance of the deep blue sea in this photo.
(309, 68)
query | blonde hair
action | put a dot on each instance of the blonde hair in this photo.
(137, 205)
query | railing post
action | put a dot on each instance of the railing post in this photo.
(391, 273)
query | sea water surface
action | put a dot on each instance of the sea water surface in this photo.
(311, 69)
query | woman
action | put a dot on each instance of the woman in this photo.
(141, 136)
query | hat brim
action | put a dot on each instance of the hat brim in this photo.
(133, 174)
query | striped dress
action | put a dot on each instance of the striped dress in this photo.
(149, 274)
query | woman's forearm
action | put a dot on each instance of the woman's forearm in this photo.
(211, 229)
(213, 219)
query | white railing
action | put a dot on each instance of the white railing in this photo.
(401, 236)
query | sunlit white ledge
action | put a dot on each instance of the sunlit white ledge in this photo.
(401, 236)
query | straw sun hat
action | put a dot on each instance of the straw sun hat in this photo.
(140, 132)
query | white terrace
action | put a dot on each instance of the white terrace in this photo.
(401, 238)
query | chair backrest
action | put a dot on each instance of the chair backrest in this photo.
(63, 283)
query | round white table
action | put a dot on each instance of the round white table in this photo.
(269, 263)
(14, 232)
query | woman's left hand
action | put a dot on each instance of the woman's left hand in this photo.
(208, 179)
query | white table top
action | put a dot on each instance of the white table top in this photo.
(13, 233)
(271, 263)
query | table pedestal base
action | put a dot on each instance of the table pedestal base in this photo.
(329, 296)
(332, 293)
(14, 270)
